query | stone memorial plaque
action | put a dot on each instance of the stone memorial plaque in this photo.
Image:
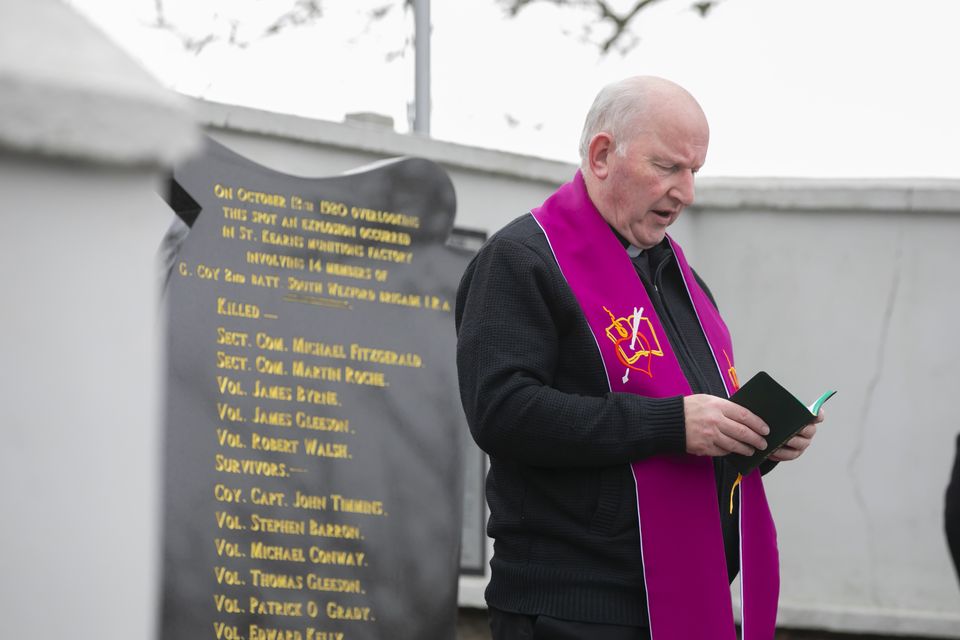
(314, 440)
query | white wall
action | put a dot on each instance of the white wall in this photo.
(79, 463)
(852, 286)
(84, 137)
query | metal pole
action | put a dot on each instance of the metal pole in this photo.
(421, 43)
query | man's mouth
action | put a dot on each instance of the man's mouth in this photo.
(666, 214)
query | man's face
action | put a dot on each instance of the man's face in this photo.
(652, 182)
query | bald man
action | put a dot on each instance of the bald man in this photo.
(594, 370)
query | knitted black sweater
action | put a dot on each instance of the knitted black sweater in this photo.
(561, 494)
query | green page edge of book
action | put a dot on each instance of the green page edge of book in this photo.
(815, 407)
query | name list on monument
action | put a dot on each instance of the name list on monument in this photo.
(312, 440)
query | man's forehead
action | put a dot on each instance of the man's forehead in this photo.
(675, 120)
(677, 147)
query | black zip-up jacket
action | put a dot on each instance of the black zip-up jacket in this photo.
(562, 499)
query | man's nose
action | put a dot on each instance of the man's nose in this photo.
(683, 189)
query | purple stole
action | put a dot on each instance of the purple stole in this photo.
(688, 596)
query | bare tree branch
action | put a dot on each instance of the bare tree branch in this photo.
(158, 10)
(302, 13)
(620, 37)
(194, 45)
(618, 22)
(379, 13)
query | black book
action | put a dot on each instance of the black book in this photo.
(783, 413)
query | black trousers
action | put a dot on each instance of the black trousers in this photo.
(517, 626)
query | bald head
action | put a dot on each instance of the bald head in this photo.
(635, 105)
(643, 142)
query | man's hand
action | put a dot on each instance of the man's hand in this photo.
(716, 427)
(795, 446)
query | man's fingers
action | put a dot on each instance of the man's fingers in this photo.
(799, 442)
(808, 431)
(742, 415)
(741, 433)
(803, 439)
(795, 443)
(731, 445)
(715, 427)
(782, 454)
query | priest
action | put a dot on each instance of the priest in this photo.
(594, 369)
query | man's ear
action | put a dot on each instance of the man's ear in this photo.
(598, 154)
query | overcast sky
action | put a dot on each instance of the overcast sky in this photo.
(837, 88)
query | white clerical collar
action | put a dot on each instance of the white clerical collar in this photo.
(633, 251)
